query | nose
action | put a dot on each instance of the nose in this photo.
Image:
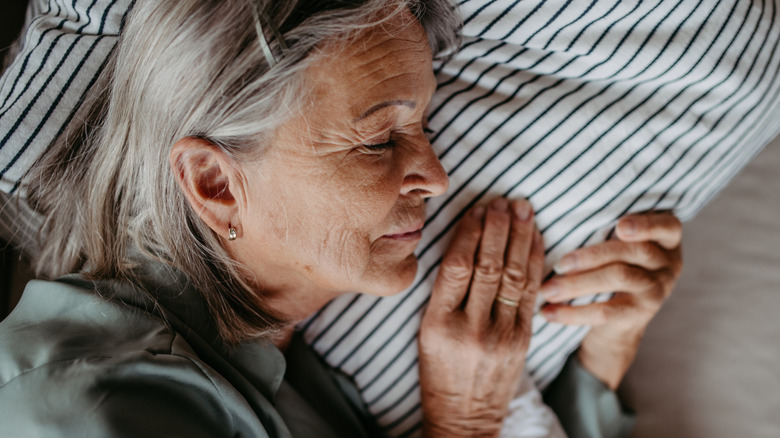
(425, 175)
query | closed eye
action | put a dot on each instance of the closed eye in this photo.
(379, 147)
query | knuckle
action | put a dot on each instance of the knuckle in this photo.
(489, 271)
(472, 234)
(644, 251)
(633, 277)
(659, 286)
(647, 251)
(515, 278)
(456, 267)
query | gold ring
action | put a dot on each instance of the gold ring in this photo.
(507, 301)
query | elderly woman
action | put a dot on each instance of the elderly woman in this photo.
(244, 163)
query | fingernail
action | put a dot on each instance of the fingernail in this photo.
(478, 213)
(566, 264)
(499, 204)
(627, 226)
(523, 209)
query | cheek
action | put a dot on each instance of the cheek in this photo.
(350, 216)
(343, 253)
(361, 197)
(323, 224)
(325, 234)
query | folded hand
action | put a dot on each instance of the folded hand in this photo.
(642, 265)
(476, 330)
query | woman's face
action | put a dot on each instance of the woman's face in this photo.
(336, 203)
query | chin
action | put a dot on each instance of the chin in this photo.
(392, 282)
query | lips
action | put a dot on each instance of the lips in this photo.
(407, 233)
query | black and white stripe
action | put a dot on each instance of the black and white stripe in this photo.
(591, 109)
(63, 53)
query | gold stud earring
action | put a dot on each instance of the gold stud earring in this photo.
(232, 235)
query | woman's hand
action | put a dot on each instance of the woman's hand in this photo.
(476, 330)
(642, 265)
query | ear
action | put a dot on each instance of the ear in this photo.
(209, 179)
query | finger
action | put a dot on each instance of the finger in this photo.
(594, 314)
(662, 228)
(619, 277)
(452, 282)
(536, 263)
(514, 279)
(535, 275)
(645, 254)
(490, 261)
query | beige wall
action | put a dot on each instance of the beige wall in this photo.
(709, 365)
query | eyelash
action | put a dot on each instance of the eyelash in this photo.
(380, 147)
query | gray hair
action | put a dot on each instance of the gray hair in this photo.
(188, 68)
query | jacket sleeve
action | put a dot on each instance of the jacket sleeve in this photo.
(586, 408)
(150, 396)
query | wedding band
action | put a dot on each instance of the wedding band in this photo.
(507, 301)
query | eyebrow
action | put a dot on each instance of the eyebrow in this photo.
(408, 103)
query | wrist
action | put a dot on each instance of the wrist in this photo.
(461, 429)
(450, 418)
(609, 356)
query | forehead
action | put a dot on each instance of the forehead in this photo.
(388, 62)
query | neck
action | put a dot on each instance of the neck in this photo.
(294, 305)
(282, 339)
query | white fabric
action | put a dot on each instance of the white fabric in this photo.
(590, 109)
(63, 51)
(529, 417)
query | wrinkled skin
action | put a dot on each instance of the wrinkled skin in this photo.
(472, 347)
(336, 204)
(643, 263)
